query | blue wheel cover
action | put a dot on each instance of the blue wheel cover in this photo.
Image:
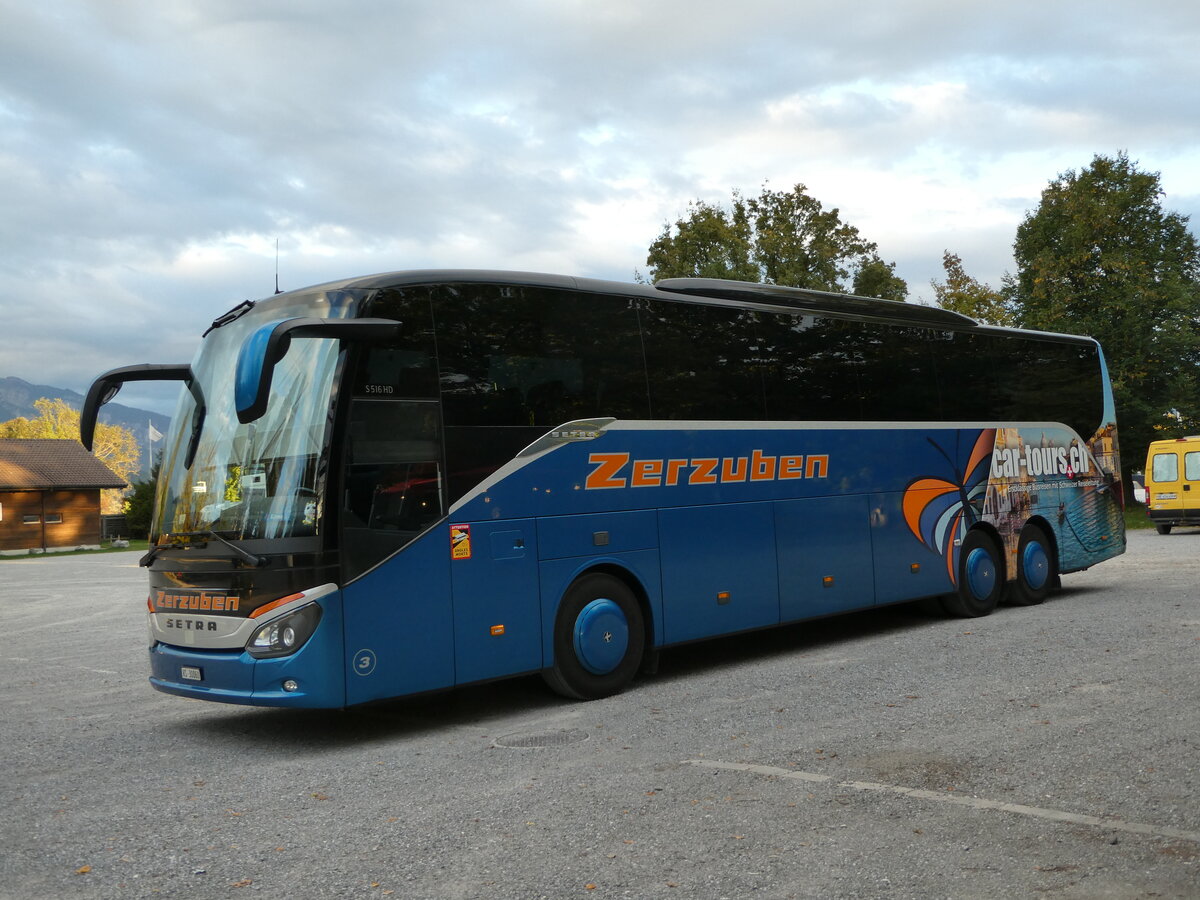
(1035, 564)
(981, 573)
(601, 636)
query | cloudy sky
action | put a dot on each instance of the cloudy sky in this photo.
(152, 153)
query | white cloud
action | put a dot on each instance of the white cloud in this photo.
(152, 154)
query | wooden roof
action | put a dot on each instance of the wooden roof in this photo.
(40, 464)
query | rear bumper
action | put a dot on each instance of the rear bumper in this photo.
(1174, 516)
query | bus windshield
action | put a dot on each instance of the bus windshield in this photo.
(264, 479)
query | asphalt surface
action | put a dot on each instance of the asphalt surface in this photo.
(1047, 751)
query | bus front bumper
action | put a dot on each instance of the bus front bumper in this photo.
(313, 676)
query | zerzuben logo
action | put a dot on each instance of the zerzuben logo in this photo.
(618, 470)
(202, 601)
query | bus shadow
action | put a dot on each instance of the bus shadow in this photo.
(801, 637)
(488, 706)
(325, 730)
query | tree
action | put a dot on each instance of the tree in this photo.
(876, 278)
(139, 505)
(1099, 256)
(778, 237)
(964, 294)
(113, 445)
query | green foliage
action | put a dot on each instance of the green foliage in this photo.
(711, 243)
(778, 237)
(876, 278)
(139, 505)
(964, 294)
(1099, 256)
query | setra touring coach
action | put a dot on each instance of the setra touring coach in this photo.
(406, 482)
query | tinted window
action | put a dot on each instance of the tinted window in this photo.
(704, 362)
(516, 356)
(1049, 381)
(405, 367)
(393, 465)
(515, 362)
(475, 452)
(393, 488)
(898, 380)
(966, 376)
(811, 369)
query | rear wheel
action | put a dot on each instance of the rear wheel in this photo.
(1036, 568)
(1162, 528)
(980, 577)
(599, 638)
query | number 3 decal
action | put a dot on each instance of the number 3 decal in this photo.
(364, 662)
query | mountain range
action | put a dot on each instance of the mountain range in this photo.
(17, 397)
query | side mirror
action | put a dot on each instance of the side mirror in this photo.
(108, 385)
(264, 348)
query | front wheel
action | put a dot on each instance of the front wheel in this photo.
(1036, 568)
(980, 577)
(599, 638)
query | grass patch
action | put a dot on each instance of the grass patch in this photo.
(1135, 516)
(105, 547)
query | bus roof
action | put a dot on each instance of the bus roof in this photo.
(720, 291)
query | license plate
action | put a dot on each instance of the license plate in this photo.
(191, 673)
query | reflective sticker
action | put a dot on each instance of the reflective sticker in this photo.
(460, 541)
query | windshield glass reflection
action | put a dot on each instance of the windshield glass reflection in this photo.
(265, 479)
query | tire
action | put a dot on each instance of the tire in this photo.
(1162, 528)
(980, 577)
(599, 638)
(1037, 571)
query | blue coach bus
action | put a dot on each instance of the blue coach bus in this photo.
(406, 482)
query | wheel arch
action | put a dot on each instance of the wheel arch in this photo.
(1048, 530)
(998, 542)
(558, 578)
(581, 659)
(631, 581)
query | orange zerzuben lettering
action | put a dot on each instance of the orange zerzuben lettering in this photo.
(619, 470)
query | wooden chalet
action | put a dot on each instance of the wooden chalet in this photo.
(50, 495)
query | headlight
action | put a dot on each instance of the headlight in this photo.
(286, 634)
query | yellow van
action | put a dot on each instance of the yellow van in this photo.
(1173, 483)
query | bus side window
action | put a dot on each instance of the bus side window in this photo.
(1053, 381)
(405, 367)
(393, 488)
(966, 375)
(811, 367)
(898, 379)
(704, 362)
(517, 361)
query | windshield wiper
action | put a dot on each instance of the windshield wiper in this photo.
(245, 555)
(225, 318)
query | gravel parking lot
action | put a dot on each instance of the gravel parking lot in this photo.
(1046, 751)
